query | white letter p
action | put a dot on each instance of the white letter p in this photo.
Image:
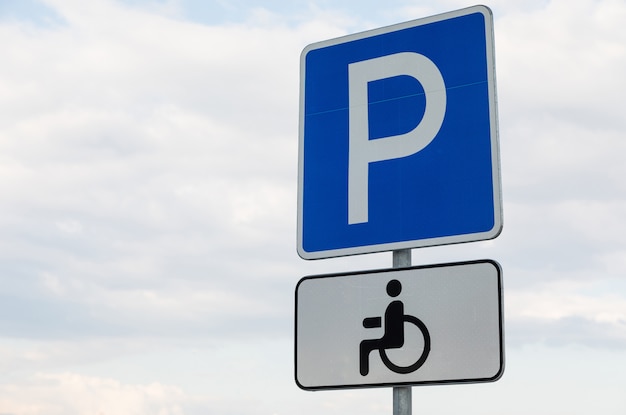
(362, 150)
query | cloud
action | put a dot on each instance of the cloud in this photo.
(559, 313)
(158, 159)
(162, 153)
(564, 75)
(148, 188)
(70, 393)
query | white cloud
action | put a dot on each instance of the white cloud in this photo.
(149, 169)
(161, 151)
(148, 188)
(558, 300)
(70, 393)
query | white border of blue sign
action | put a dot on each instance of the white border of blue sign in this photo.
(405, 244)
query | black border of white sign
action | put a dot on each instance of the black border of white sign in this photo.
(452, 313)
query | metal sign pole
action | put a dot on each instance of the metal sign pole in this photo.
(402, 394)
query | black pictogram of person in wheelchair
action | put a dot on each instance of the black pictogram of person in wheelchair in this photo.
(393, 337)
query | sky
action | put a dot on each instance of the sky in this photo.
(148, 186)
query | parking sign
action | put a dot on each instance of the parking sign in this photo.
(398, 138)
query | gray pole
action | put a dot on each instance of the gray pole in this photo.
(402, 394)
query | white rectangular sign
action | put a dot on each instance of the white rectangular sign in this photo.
(420, 325)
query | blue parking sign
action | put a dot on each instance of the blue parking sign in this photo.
(398, 138)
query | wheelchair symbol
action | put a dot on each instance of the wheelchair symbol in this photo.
(393, 337)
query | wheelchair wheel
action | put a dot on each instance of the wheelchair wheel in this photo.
(420, 361)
